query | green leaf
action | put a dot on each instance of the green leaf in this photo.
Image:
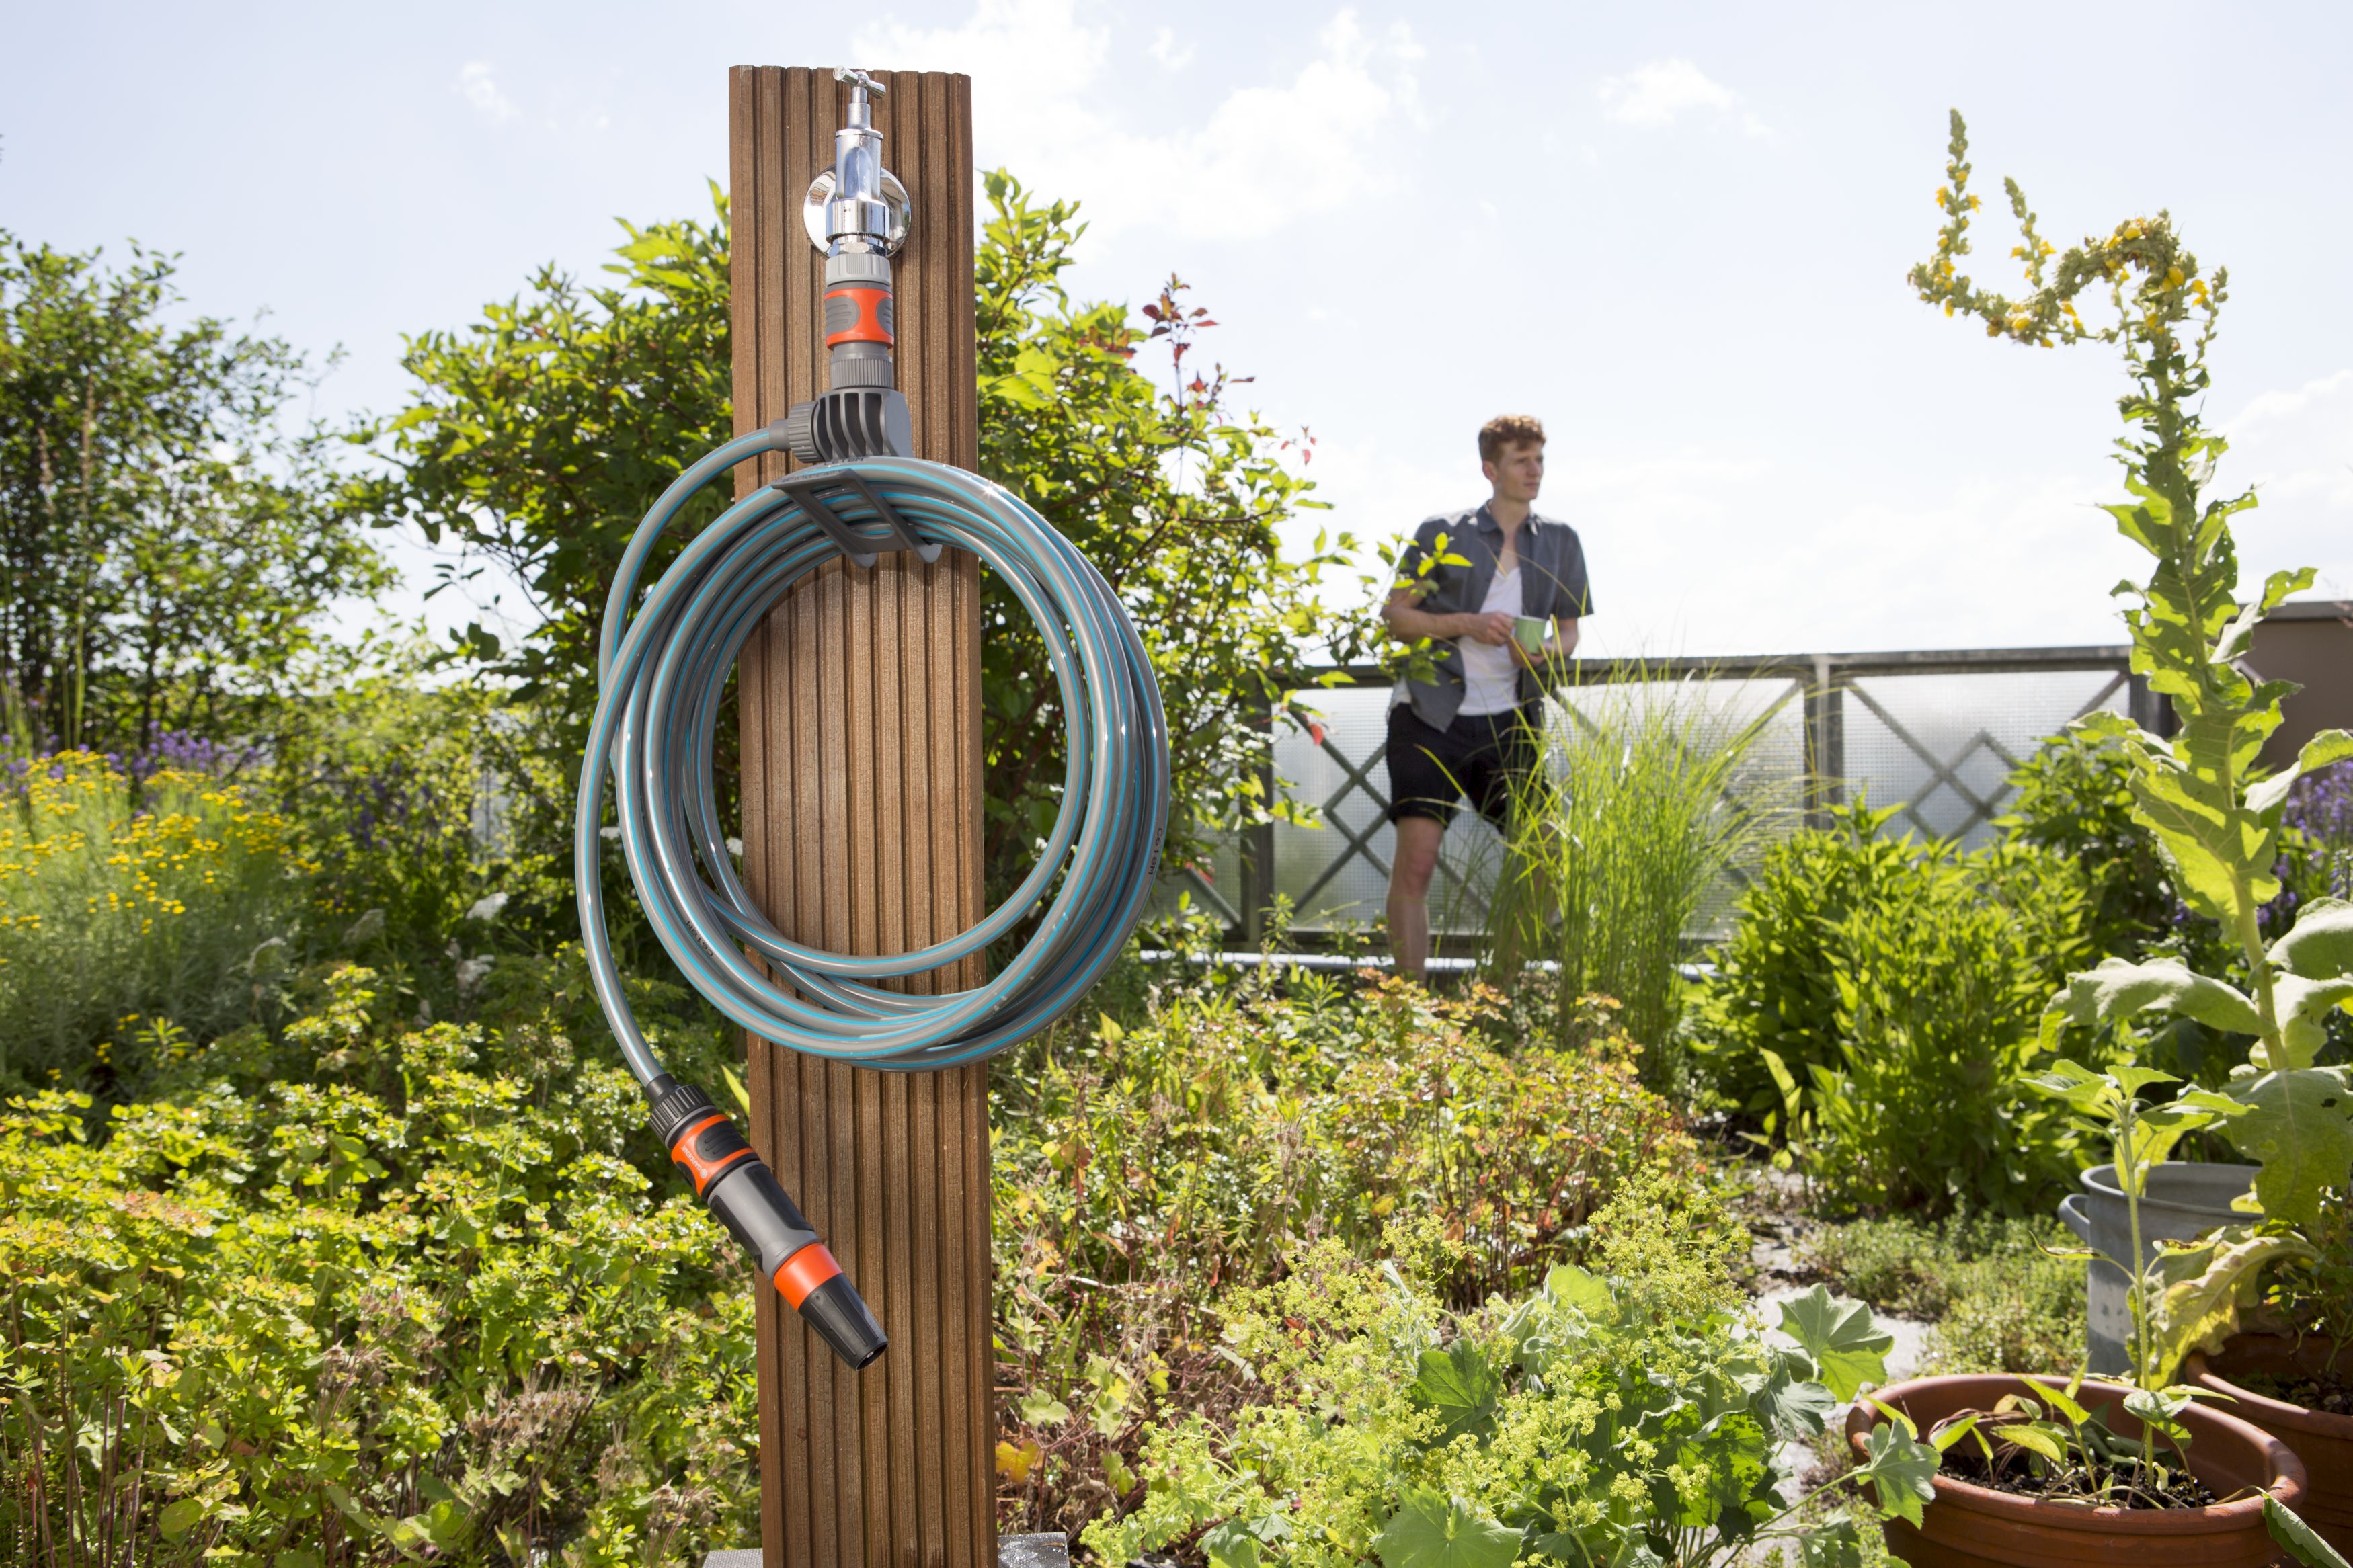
(1039, 1408)
(1901, 1470)
(2329, 746)
(2094, 1094)
(2119, 988)
(1790, 1405)
(2039, 1438)
(2196, 1293)
(1833, 1544)
(2302, 1006)
(1429, 1530)
(1461, 1386)
(1944, 1438)
(1574, 1287)
(2297, 1125)
(2320, 944)
(1838, 1335)
(1230, 1545)
(2156, 1130)
(180, 1517)
(2299, 1539)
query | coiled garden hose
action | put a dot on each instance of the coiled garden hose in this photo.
(664, 664)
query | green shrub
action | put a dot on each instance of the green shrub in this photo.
(2074, 796)
(1999, 1301)
(1147, 1171)
(428, 1306)
(1876, 1009)
(116, 907)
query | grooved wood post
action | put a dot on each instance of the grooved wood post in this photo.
(862, 832)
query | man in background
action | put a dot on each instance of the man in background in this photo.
(1496, 593)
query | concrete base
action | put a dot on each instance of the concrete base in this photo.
(1050, 1550)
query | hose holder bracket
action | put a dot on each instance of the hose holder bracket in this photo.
(806, 489)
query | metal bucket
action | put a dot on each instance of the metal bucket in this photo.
(2183, 1199)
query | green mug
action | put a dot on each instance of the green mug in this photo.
(1531, 632)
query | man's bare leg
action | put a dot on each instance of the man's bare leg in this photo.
(1415, 861)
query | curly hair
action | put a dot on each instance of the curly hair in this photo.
(1508, 430)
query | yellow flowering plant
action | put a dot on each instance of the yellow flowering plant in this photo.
(131, 912)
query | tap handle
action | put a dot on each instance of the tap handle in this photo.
(859, 79)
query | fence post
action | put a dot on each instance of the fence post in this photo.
(1825, 740)
(860, 707)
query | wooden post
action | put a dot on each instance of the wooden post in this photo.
(861, 702)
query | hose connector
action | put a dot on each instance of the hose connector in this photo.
(857, 213)
(735, 1184)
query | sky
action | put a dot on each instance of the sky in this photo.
(1677, 234)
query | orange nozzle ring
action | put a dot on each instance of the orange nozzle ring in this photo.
(803, 1272)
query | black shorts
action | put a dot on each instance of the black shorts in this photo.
(1481, 757)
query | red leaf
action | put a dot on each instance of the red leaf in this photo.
(1315, 734)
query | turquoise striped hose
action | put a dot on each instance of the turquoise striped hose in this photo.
(662, 666)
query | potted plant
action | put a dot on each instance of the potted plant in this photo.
(2035, 1470)
(2218, 825)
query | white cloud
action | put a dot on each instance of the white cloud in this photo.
(476, 85)
(1263, 157)
(1164, 50)
(2295, 447)
(2273, 407)
(1656, 93)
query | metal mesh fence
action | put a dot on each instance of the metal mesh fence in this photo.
(1934, 734)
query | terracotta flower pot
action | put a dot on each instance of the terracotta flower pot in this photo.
(2324, 1442)
(1971, 1525)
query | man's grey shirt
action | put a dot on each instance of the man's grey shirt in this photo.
(1552, 587)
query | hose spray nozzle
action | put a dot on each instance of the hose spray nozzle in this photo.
(736, 1184)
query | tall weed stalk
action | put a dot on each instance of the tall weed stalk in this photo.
(1650, 795)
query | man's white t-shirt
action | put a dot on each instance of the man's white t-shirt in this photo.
(1491, 678)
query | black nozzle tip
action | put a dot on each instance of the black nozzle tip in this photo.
(837, 1313)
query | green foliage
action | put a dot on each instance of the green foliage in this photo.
(166, 547)
(1642, 810)
(2218, 824)
(1177, 498)
(1998, 1300)
(1622, 1416)
(426, 1301)
(1145, 1171)
(2175, 1300)
(433, 816)
(2074, 795)
(1875, 1009)
(537, 437)
(126, 930)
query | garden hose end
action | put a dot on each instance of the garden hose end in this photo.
(735, 1184)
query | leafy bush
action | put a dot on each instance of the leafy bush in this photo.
(1625, 1416)
(1876, 1008)
(2074, 795)
(1999, 1303)
(120, 903)
(1145, 1173)
(427, 1305)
